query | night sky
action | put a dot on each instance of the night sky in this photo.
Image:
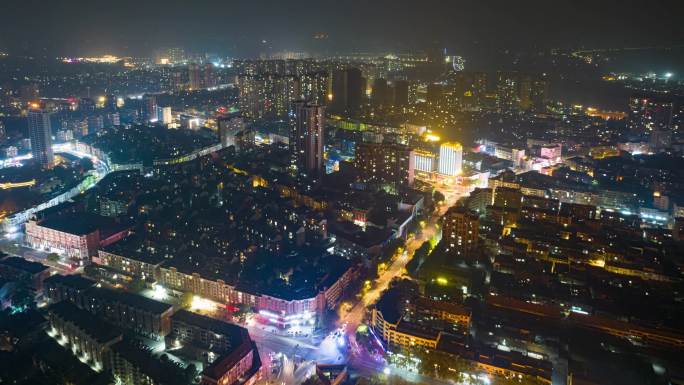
(236, 27)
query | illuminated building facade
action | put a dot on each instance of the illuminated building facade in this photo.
(313, 87)
(78, 244)
(216, 289)
(11, 152)
(396, 333)
(450, 158)
(145, 268)
(425, 161)
(83, 333)
(412, 322)
(77, 238)
(306, 138)
(460, 231)
(514, 154)
(266, 96)
(385, 164)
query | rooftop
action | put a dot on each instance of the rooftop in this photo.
(130, 299)
(73, 225)
(75, 281)
(448, 307)
(24, 265)
(371, 237)
(310, 271)
(464, 211)
(82, 224)
(134, 247)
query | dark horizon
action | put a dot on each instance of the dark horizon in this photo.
(250, 28)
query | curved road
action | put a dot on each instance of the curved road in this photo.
(102, 168)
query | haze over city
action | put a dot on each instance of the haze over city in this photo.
(238, 28)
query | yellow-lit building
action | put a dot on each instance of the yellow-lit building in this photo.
(398, 333)
(450, 158)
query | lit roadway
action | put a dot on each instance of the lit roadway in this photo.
(359, 359)
(14, 238)
(396, 269)
(329, 351)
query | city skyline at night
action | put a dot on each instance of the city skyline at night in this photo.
(341, 192)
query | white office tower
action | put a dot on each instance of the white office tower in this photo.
(425, 161)
(450, 158)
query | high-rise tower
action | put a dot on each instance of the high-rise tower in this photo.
(306, 139)
(40, 133)
(450, 158)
